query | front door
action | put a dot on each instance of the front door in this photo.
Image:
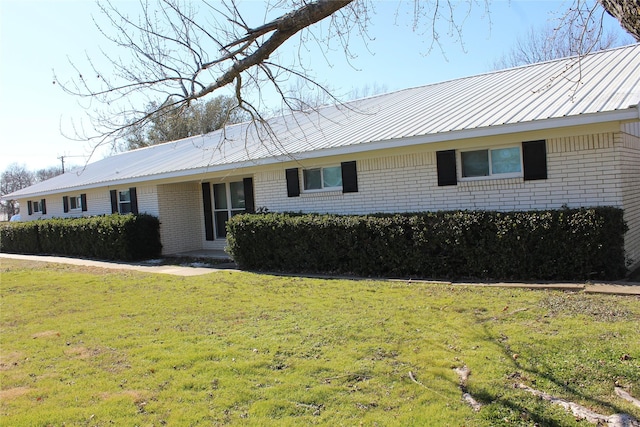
(228, 200)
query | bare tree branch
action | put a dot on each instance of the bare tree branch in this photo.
(176, 53)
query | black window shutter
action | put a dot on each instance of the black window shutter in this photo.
(114, 201)
(534, 158)
(83, 200)
(208, 211)
(44, 206)
(249, 202)
(446, 164)
(349, 177)
(134, 200)
(30, 207)
(65, 204)
(293, 182)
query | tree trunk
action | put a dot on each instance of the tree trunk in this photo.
(627, 12)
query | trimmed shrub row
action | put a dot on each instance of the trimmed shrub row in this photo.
(113, 237)
(568, 244)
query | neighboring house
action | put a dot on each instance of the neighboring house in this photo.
(543, 136)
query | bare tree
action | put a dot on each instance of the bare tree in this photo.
(548, 43)
(15, 177)
(47, 173)
(181, 53)
(369, 90)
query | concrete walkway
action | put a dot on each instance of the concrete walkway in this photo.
(176, 270)
(197, 269)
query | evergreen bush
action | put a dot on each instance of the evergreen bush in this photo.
(112, 237)
(565, 244)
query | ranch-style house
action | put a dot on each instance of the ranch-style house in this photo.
(543, 136)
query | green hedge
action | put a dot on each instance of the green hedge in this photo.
(113, 237)
(567, 244)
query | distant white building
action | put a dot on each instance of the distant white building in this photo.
(559, 133)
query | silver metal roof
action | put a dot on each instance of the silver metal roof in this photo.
(599, 87)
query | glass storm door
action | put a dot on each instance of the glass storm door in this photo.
(228, 201)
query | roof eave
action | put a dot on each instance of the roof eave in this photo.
(631, 113)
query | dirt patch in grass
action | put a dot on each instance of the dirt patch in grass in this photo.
(10, 360)
(138, 397)
(46, 334)
(12, 393)
(596, 307)
(82, 352)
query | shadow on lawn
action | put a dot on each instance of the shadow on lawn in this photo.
(507, 410)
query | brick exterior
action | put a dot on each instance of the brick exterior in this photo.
(629, 160)
(599, 168)
(98, 203)
(181, 228)
(582, 171)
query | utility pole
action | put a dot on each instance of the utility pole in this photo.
(61, 158)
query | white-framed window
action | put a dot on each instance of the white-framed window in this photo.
(228, 200)
(37, 206)
(503, 162)
(327, 178)
(124, 201)
(75, 203)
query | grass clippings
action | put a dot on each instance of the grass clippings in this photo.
(85, 346)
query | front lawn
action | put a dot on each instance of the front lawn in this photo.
(81, 346)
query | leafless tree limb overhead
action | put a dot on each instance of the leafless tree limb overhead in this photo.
(176, 51)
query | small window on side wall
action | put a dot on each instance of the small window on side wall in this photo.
(343, 177)
(124, 201)
(329, 178)
(36, 206)
(74, 203)
(497, 162)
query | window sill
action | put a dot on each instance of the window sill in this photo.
(333, 193)
(490, 182)
(517, 175)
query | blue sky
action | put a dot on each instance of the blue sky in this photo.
(38, 37)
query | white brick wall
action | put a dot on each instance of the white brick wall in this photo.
(98, 203)
(629, 158)
(147, 199)
(583, 171)
(181, 227)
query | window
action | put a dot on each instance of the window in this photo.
(36, 206)
(498, 162)
(124, 201)
(75, 203)
(343, 177)
(322, 178)
(528, 162)
(228, 200)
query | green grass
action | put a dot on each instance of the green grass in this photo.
(82, 346)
